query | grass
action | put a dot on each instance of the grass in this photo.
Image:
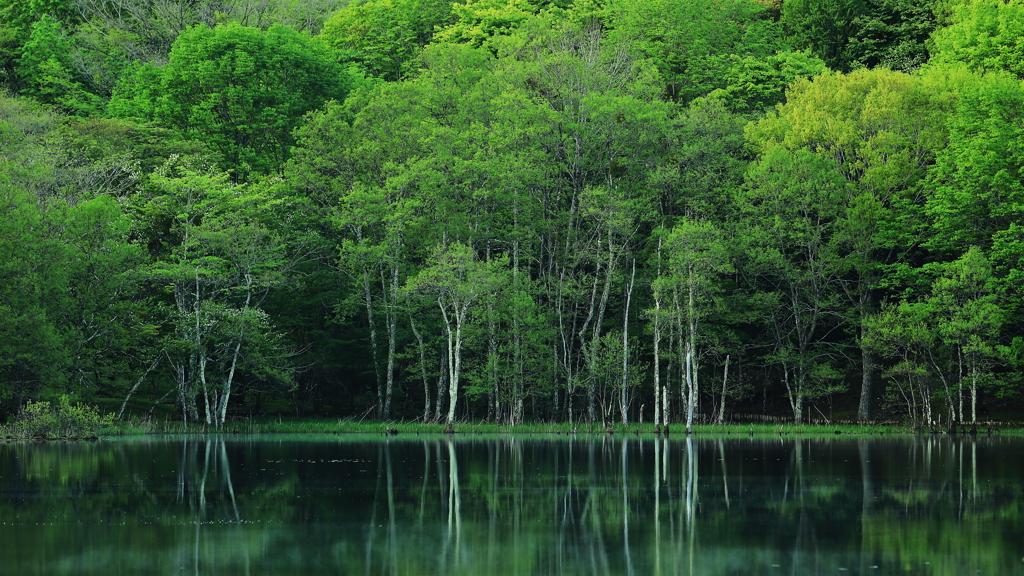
(273, 425)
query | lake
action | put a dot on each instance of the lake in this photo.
(541, 504)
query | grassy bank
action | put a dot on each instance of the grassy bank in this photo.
(272, 425)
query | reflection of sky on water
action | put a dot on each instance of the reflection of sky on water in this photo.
(513, 505)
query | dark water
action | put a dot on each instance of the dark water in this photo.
(513, 505)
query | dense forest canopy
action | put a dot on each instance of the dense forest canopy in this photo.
(600, 210)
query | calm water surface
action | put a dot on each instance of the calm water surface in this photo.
(311, 505)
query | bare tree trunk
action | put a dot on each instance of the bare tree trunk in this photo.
(368, 300)
(725, 381)
(222, 411)
(206, 392)
(494, 402)
(623, 396)
(391, 317)
(442, 388)
(865, 305)
(423, 363)
(516, 416)
(152, 365)
(691, 360)
(867, 368)
(657, 365)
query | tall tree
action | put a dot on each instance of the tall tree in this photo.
(242, 90)
(791, 214)
(218, 262)
(455, 279)
(697, 258)
(881, 131)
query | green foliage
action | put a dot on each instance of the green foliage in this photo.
(825, 27)
(792, 208)
(63, 419)
(693, 43)
(894, 34)
(760, 83)
(385, 36)
(505, 162)
(985, 35)
(478, 21)
(241, 90)
(978, 180)
(45, 66)
(20, 15)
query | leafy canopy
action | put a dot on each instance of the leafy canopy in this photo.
(239, 89)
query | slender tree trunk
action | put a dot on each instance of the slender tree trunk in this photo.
(960, 382)
(374, 348)
(454, 359)
(657, 353)
(623, 396)
(597, 317)
(516, 416)
(725, 382)
(442, 387)
(664, 408)
(657, 365)
(865, 305)
(423, 362)
(494, 402)
(691, 353)
(974, 390)
(391, 317)
(127, 397)
(222, 412)
(589, 352)
(867, 368)
(202, 383)
(799, 409)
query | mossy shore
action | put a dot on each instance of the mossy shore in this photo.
(272, 425)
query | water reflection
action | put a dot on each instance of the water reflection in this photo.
(513, 505)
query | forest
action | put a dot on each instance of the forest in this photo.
(513, 210)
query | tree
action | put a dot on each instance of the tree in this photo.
(894, 34)
(385, 36)
(693, 44)
(984, 35)
(881, 130)
(825, 27)
(902, 332)
(72, 316)
(45, 66)
(944, 342)
(760, 83)
(240, 89)
(977, 182)
(455, 279)
(791, 214)
(217, 261)
(697, 258)
(968, 319)
(31, 351)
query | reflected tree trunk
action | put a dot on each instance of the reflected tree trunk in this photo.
(691, 502)
(657, 506)
(867, 499)
(725, 475)
(392, 529)
(625, 507)
(454, 536)
(371, 530)
(423, 489)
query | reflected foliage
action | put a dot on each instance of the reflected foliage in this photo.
(513, 505)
